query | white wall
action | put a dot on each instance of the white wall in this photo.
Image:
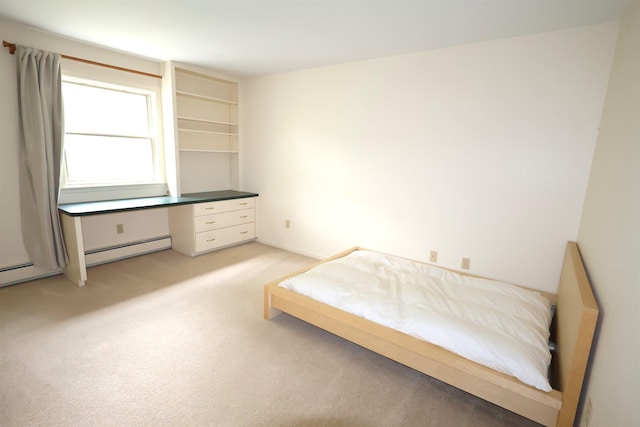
(481, 151)
(609, 239)
(12, 250)
(99, 231)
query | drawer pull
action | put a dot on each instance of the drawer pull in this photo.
(243, 232)
(211, 240)
(244, 216)
(211, 208)
(245, 203)
(210, 222)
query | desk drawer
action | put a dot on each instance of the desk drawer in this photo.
(223, 206)
(224, 236)
(224, 219)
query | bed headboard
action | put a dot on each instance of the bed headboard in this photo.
(575, 324)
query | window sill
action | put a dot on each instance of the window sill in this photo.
(116, 192)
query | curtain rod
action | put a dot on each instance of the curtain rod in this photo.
(12, 50)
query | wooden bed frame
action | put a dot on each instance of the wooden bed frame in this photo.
(572, 330)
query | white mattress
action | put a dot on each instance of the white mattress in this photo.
(495, 324)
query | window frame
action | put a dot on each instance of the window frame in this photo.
(92, 75)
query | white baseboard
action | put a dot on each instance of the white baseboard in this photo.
(292, 249)
(23, 273)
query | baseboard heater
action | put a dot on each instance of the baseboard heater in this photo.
(127, 250)
(24, 272)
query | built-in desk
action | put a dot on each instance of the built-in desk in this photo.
(71, 217)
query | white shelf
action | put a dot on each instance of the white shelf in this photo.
(209, 132)
(215, 122)
(206, 98)
(196, 150)
(207, 141)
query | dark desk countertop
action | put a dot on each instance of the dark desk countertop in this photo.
(111, 206)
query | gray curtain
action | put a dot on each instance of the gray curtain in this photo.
(42, 134)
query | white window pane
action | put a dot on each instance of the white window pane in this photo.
(95, 110)
(92, 159)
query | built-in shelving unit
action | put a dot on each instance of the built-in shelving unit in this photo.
(204, 117)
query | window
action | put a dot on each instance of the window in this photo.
(113, 145)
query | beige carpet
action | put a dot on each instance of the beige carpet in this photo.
(168, 340)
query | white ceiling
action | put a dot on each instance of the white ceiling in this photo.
(256, 37)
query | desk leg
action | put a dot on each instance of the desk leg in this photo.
(76, 270)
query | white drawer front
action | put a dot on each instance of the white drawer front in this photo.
(223, 206)
(206, 222)
(224, 219)
(225, 236)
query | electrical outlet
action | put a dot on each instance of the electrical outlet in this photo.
(287, 223)
(466, 263)
(433, 256)
(587, 414)
(120, 228)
